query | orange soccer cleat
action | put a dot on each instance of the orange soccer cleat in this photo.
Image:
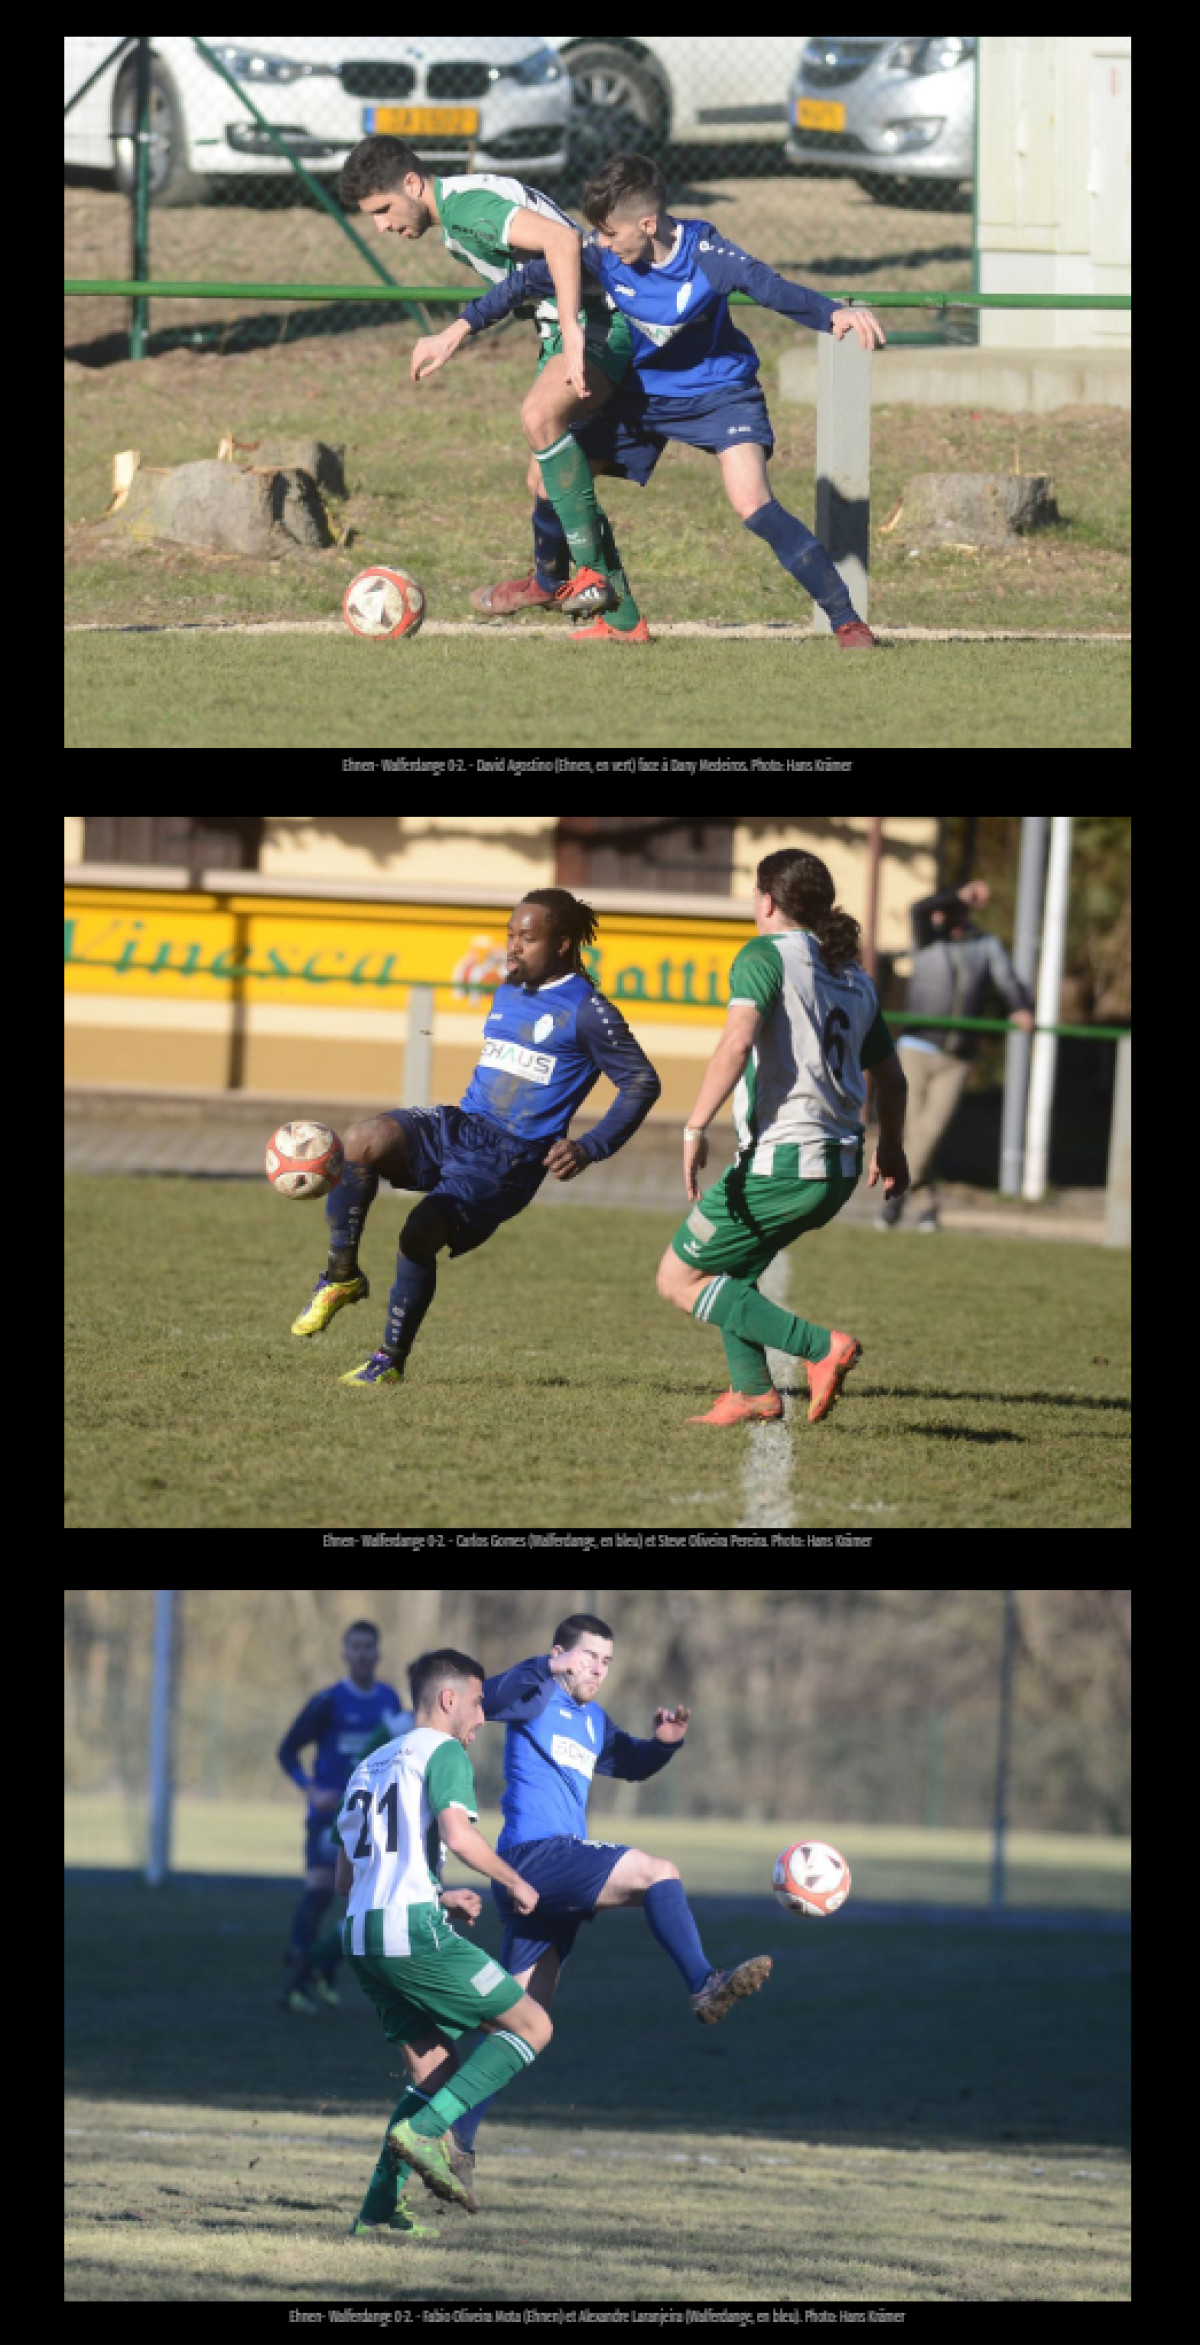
(825, 1376)
(585, 593)
(742, 1408)
(600, 627)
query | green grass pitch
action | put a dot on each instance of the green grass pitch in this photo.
(908, 2112)
(329, 691)
(437, 483)
(993, 1392)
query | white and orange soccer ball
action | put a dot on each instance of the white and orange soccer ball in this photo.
(811, 1878)
(385, 604)
(304, 1160)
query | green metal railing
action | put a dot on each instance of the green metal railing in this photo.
(205, 289)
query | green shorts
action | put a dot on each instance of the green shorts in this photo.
(748, 1217)
(442, 1982)
(608, 345)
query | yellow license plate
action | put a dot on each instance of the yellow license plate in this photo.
(423, 121)
(820, 114)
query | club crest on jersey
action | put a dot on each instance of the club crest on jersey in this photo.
(512, 1058)
(544, 1027)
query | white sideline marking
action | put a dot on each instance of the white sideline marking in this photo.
(752, 632)
(767, 1479)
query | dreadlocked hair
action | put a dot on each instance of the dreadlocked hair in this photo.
(568, 917)
(802, 886)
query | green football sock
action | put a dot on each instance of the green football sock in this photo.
(567, 478)
(627, 614)
(496, 2060)
(383, 2189)
(383, 2192)
(748, 1370)
(738, 1309)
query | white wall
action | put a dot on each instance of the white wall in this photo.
(1054, 184)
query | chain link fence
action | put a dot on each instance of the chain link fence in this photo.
(837, 160)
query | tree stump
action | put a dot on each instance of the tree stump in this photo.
(267, 509)
(974, 508)
(323, 460)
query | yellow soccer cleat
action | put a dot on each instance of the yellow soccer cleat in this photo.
(328, 1296)
(379, 1369)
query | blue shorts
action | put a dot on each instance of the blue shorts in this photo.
(479, 1174)
(568, 1875)
(631, 430)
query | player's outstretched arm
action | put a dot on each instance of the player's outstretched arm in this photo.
(464, 1842)
(561, 247)
(729, 268)
(530, 283)
(433, 350)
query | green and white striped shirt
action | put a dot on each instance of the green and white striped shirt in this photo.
(387, 1825)
(804, 1083)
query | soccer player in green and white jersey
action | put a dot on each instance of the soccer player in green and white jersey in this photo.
(803, 1023)
(493, 224)
(427, 1984)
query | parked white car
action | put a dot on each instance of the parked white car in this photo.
(468, 102)
(723, 90)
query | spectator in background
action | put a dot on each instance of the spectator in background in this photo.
(955, 965)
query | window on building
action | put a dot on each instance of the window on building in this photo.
(672, 852)
(222, 842)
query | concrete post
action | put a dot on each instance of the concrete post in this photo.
(418, 1056)
(1118, 1229)
(843, 520)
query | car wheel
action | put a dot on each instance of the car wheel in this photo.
(614, 82)
(171, 182)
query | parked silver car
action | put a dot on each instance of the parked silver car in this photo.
(886, 110)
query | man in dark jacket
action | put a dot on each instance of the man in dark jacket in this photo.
(955, 968)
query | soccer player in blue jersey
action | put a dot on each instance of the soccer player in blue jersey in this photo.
(338, 1721)
(548, 1037)
(557, 1738)
(692, 377)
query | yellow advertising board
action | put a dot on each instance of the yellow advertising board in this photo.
(336, 954)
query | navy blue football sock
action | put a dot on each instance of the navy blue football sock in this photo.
(671, 1919)
(347, 1206)
(551, 553)
(467, 2126)
(805, 557)
(304, 1921)
(410, 1298)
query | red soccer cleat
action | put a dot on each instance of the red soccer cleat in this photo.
(742, 1408)
(600, 627)
(825, 1376)
(514, 594)
(854, 636)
